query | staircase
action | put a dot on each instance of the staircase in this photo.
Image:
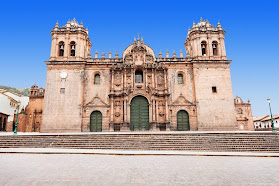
(214, 142)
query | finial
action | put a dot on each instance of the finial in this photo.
(181, 54)
(109, 54)
(219, 24)
(96, 54)
(57, 24)
(167, 54)
(142, 39)
(135, 39)
(103, 54)
(74, 20)
(81, 23)
(116, 55)
(201, 19)
(160, 54)
(173, 54)
(138, 37)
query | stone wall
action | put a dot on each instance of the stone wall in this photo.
(215, 110)
(63, 111)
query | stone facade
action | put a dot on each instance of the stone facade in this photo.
(180, 93)
(30, 118)
(244, 116)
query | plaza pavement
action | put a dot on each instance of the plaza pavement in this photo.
(82, 169)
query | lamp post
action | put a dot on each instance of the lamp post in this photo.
(15, 131)
(273, 127)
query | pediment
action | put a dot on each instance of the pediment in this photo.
(181, 100)
(96, 102)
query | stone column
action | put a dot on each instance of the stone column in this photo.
(53, 46)
(66, 50)
(210, 50)
(165, 78)
(153, 78)
(167, 109)
(128, 112)
(111, 110)
(78, 47)
(125, 80)
(153, 110)
(157, 111)
(112, 80)
(125, 110)
(150, 114)
(222, 45)
(133, 77)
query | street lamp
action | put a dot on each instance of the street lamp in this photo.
(273, 127)
(15, 131)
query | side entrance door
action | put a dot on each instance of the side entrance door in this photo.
(183, 121)
(96, 121)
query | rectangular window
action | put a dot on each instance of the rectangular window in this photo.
(62, 90)
(214, 89)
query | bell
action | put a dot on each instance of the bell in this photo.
(214, 46)
(61, 47)
(73, 47)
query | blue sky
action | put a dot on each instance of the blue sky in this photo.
(251, 40)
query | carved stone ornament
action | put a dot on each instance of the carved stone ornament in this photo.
(117, 114)
(161, 114)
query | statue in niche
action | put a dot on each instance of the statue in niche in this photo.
(117, 79)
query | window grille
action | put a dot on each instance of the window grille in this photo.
(180, 78)
(97, 79)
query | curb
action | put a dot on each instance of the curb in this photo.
(133, 153)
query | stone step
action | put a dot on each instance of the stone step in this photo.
(239, 142)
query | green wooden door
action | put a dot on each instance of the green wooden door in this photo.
(183, 121)
(139, 114)
(96, 121)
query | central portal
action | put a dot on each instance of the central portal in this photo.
(139, 114)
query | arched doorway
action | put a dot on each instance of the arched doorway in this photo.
(139, 114)
(96, 121)
(183, 121)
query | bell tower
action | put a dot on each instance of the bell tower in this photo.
(70, 42)
(205, 48)
(206, 42)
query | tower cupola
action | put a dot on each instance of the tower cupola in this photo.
(205, 42)
(70, 42)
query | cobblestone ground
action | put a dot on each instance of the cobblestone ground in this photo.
(42, 169)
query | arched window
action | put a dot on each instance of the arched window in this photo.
(214, 48)
(139, 76)
(97, 79)
(180, 79)
(239, 111)
(61, 48)
(73, 48)
(203, 48)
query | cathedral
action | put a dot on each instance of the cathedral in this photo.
(138, 91)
